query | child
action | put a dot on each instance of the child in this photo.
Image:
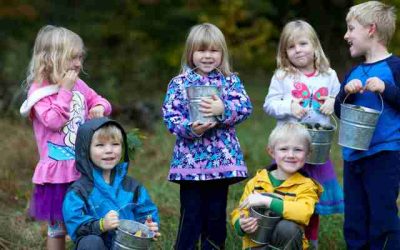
(303, 89)
(207, 157)
(58, 102)
(289, 144)
(94, 204)
(371, 177)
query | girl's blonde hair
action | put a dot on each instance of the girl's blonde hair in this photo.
(204, 36)
(54, 49)
(290, 130)
(290, 33)
(374, 12)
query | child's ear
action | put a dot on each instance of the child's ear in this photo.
(270, 151)
(372, 29)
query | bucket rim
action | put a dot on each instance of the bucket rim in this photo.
(149, 232)
(263, 215)
(364, 109)
(380, 96)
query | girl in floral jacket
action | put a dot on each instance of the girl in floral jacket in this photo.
(207, 157)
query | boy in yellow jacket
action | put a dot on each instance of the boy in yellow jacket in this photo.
(282, 189)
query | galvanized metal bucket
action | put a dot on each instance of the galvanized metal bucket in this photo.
(321, 140)
(125, 237)
(357, 125)
(195, 94)
(267, 221)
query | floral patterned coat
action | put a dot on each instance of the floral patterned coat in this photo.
(216, 154)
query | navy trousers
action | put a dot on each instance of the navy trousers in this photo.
(203, 215)
(371, 188)
(91, 242)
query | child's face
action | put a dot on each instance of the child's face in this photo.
(300, 53)
(105, 152)
(290, 155)
(357, 36)
(206, 60)
(75, 63)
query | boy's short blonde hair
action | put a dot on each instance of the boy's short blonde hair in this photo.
(289, 130)
(374, 12)
(109, 131)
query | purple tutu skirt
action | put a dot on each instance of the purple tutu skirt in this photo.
(331, 200)
(46, 202)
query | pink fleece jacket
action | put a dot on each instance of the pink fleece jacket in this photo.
(56, 117)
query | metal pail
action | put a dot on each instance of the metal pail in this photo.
(195, 94)
(321, 140)
(125, 237)
(357, 125)
(267, 221)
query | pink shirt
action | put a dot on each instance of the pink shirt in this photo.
(56, 118)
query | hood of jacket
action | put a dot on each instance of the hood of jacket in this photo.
(82, 145)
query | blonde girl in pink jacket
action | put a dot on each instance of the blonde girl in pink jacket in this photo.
(58, 103)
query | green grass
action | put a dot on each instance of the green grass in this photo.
(150, 167)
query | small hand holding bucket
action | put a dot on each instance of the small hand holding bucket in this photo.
(195, 95)
(357, 125)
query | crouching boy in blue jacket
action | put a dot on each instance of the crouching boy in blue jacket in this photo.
(104, 194)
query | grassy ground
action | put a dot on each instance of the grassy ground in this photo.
(150, 167)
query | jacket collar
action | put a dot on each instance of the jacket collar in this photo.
(192, 76)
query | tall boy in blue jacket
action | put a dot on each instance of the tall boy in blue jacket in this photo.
(104, 194)
(371, 177)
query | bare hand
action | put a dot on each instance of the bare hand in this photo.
(374, 84)
(297, 110)
(199, 128)
(212, 106)
(69, 79)
(354, 86)
(153, 226)
(96, 112)
(248, 224)
(327, 107)
(111, 220)
(256, 200)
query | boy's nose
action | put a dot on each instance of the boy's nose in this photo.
(290, 153)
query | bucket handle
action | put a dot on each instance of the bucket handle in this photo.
(334, 119)
(380, 96)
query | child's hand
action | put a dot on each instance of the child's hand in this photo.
(153, 226)
(96, 112)
(212, 106)
(69, 79)
(297, 110)
(354, 86)
(199, 128)
(374, 84)
(256, 200)
(111, 220)
(248, 224)
(327, 107)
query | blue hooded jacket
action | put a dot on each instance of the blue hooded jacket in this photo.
(90, 198)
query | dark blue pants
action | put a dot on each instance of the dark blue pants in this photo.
(371, 188)
(91, 242)
(203, 215)
(287, 235)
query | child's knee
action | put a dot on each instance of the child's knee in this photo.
(287, 234)
(91, 242)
